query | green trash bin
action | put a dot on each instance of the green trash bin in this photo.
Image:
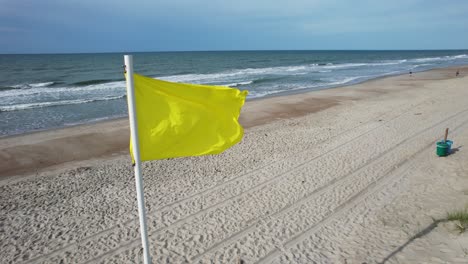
(442, 149)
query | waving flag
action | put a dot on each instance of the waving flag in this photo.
(179, 120)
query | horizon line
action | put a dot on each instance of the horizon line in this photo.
(246, 50)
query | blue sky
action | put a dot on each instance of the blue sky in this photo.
(62, 26)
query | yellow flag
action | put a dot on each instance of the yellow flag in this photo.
(180, 120)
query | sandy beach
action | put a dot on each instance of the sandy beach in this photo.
(344, 175)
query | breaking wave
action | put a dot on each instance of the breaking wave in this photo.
(9, 108)
(32, 85)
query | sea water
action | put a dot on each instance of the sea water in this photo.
(55, 90)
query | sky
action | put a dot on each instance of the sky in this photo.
(80, 26)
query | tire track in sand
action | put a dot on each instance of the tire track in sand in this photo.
(234, 181)
(400, 172)
(420, 131)
(332, 186)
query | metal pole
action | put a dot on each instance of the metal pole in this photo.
(136, 155)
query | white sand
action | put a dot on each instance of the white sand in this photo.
(358, 181)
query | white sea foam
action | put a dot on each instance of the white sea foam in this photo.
(278, 88)
(239, 75)
(258, 94)
(426, 59)
(344, 65)
(444, 58)
(462, 56)
(383, 63)
(422, 65)
(44, 84)
(8, 108)
(236, 74)
(238, 84)
(32, 85)
(304, 86)
(345, 80)
(387, 73)
(69, 90)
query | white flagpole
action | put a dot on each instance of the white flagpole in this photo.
(136, 155)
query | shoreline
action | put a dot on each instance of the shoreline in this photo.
(32, 152)
(279, 94)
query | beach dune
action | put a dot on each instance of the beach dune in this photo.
(344, 175)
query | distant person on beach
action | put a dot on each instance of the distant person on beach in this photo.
(458, 73)
(411, 73)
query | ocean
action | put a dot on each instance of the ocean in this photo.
(47, 91)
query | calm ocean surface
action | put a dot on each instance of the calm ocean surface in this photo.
(47, 91)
